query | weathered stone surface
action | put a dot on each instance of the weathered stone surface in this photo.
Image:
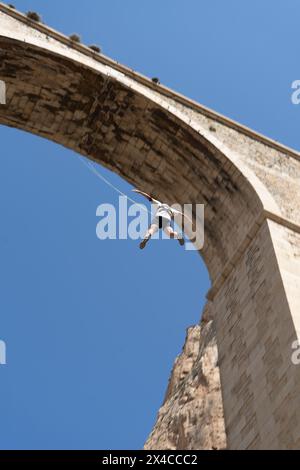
(191, 416)
(182, 152)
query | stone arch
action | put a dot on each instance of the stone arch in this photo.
(135, 132)
(162, 142)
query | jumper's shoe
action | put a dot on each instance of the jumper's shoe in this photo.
(143, 243)
(181, 241)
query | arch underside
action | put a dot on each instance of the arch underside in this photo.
(101, 118)
(161, 144)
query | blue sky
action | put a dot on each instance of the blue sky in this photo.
(93, 327)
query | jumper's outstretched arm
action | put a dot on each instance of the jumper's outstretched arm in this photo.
(148, 196)
(176, 212)
(190, 220)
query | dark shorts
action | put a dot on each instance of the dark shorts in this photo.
(162, 222)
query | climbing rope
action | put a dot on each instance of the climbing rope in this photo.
(91, 167)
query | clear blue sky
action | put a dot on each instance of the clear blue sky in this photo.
(92, 327)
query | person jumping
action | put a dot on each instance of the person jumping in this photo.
(164, 214)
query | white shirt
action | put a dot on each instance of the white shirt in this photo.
(164, 210)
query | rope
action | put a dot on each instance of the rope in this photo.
(91, 167)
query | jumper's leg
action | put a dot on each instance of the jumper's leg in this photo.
(173, 234)
(150, 232)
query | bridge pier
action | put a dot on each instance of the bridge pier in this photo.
(161, 141)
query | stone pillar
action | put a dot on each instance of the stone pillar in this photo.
(164, 143)
(257, 320)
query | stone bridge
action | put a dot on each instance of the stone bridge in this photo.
(165, 143)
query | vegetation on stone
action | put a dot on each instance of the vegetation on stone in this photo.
(95, 48)
(32, 15)
(75, 38)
